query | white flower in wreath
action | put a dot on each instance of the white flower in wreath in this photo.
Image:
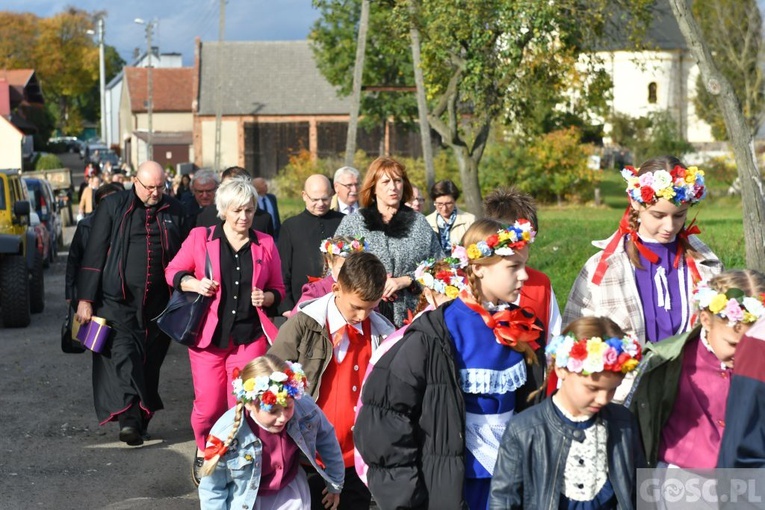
(661, 180)
(278, 377)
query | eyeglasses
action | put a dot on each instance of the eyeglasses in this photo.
(419, 199)
(441, 205)
(204, 191)
(151, 189)
(349, 186)
(317, 200)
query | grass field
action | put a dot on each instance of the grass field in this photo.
(565, 233)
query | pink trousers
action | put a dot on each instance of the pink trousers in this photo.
(211, 372)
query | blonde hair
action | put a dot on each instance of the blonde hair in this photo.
(329, 258)
(263, 365)
(479, 231)
(236, 191)
(749, 281)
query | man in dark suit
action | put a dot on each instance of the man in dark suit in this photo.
(267, 202)
(301, 236)
(209, 215)
(122, 280)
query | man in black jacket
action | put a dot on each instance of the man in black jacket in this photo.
(135, 233)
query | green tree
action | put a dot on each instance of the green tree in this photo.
(733, 32)
(388, 61)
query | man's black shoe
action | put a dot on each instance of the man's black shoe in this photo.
(131, 436)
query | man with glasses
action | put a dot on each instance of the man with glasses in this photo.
(301, 236)
(418, 201)
(203, 188)
(346, 199)
(133, 235)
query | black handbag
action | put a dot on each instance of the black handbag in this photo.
(181, 319)
(68, 344)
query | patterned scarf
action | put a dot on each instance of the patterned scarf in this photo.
(445, 230)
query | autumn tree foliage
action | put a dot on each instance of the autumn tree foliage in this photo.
(65, 58)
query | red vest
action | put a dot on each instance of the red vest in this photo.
(340, 390)
(536, 295)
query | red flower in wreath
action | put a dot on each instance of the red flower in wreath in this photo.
(268, 398)
(678, 172)
(579, 350)
(646, 193)
(492, 240)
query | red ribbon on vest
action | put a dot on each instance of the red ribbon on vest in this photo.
(512, 328)
(353, 334)
(216, 448)
(314, 279)
(624, 229)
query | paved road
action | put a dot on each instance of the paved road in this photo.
(53, 452)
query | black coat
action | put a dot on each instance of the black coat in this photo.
(411, 428)
(104, 261)
(299, 250)
(528, 476)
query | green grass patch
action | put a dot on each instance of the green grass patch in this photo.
(565, 233)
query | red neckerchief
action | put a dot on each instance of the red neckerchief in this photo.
(624, 229)
(354, 336)
(216, 448)
(409, 317)
(515, 328)
(313, 279)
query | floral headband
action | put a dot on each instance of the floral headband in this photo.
(342, 248)
(505, 242)
(592, 355)
(271, 389)
(733, 304)
(446, 281)
(680, 186)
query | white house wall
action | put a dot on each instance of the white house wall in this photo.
(10, 145)
(674, 74)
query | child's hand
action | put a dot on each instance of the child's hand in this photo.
(330, 500)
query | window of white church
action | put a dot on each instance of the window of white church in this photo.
(652, 92)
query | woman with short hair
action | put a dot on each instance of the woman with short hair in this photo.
(447, 220)
(246, 279)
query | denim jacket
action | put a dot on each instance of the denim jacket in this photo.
(236, 479)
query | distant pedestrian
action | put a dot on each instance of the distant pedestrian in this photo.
(267, 202)
(417, 202)
(346, 182)
(447, 220)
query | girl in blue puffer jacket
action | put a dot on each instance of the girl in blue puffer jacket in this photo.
(252, 458)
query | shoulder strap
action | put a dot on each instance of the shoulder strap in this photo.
(208, 264)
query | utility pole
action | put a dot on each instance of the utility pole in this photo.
(358, 69)
(219, 84)
(102, 77)
(149, 85)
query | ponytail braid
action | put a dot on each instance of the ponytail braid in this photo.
(209, 466)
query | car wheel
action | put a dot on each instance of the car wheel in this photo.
(14, 291)
(37, 286)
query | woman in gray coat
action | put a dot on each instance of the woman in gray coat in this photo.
(400, 237)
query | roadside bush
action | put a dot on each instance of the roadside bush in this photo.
(48, 162)
(290, 179)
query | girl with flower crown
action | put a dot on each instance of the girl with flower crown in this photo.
(253, 451)
(645, 275)
(334, 250)
(436, 405)
(682, 386)
(576, 450)
(442, 280)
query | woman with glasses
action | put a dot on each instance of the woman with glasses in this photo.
(400, 237)
(447, 221)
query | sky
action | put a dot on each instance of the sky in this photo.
(180, 21)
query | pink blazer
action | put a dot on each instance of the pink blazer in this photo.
(266, 273)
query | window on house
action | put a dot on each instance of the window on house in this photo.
(652, 92)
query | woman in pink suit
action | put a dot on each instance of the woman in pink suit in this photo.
(246, 279)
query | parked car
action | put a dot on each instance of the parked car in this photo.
(45, 203)
(111, 157)
(65, 144)
(22, 289)
(42, 238)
